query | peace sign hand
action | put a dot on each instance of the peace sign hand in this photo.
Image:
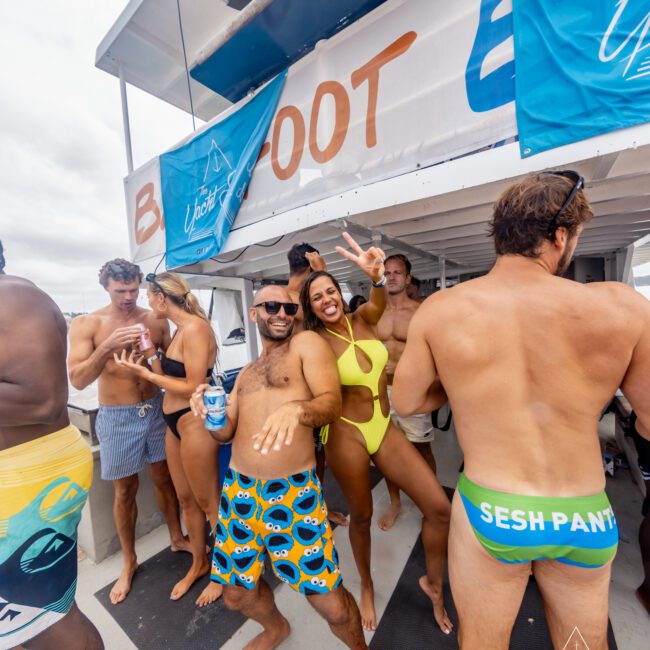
(371, 262)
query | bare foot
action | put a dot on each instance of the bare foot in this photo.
(367, 609)
(211, 593)
(270, 639)
(439, 612)
(337, 518)
(182, 544)
(387, 520)
(122, 586)
(643, 599)
(182, 586)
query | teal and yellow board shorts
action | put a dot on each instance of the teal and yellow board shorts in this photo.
(581, 531)
(44, 485)
(284, 519)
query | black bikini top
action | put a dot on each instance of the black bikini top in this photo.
(175, 368)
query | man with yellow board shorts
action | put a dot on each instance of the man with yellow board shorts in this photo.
(46, 470)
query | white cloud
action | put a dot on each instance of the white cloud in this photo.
(62, 156)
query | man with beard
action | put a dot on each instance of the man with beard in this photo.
(129, 424)
(272, 504)
(528, 360)
(392, 329)
(46, 469)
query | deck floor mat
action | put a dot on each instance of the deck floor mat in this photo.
(153, 622)
(407, 623)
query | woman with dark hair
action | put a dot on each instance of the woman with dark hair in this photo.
(365, 431)
(192, 454)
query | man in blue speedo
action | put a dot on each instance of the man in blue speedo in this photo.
(528, 359)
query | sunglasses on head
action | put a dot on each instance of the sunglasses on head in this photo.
(273, 307)
(151, 278)
(578, 184)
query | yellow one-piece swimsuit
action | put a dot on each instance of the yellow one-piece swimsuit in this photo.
(351, 373)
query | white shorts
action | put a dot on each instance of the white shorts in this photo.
(418, 428)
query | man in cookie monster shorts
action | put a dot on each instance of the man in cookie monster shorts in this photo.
(272, 503)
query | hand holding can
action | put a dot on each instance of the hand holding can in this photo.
(214, 400)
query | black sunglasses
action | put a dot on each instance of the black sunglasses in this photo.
(273, 307)
(151, 278)
(579, 183)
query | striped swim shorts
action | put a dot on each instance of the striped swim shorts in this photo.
(130, 437)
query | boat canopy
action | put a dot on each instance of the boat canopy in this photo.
(401, 127)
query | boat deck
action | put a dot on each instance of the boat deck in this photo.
(395, 563)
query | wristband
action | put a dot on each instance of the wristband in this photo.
(152, 358)
(381, 283)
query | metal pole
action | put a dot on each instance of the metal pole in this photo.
(125, 121)
(443, 272)
(251, 334)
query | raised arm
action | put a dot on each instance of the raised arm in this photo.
(371, 262)
(636, 383)
(322, 377)
(85, 362)
(416, 387)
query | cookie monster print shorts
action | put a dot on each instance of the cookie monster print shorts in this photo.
(284, 519)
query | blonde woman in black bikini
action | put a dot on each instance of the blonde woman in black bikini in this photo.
(365, 430)
(192, 454)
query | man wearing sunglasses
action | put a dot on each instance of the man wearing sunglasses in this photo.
(129, 424)
(528, 360)
(272, 504)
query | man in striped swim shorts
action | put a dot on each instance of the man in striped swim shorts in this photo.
(129, 424)
(529, 359)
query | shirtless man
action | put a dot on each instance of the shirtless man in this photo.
(528, 360)
(42, 458)
(272, 503)
(129, 425)
(392, 329)
(304, 260)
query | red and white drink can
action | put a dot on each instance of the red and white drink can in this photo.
(144, 340)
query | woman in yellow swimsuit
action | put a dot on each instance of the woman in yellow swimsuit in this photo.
(366, 431)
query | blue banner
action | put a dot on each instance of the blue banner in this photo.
(582, 69)
(203, 182)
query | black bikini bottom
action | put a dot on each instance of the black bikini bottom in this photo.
(172, 420)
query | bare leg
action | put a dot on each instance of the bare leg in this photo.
(574, 597)
(125, 514)
(348, 459)
(342, 615)
(194, 520)
(424, 449)
(168, 504)
(258, 604)
(399, 461)
(73, 632)
(199, 455)
(334, 516)
(486, 615)
(387, 519)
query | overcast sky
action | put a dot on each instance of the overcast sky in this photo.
(62, 157)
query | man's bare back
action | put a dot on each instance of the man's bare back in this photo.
(526, 413)
(32, 363)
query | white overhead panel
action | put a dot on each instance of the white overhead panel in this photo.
(146, 41)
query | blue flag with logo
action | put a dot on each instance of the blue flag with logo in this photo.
(203, 182)
(583, 68)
